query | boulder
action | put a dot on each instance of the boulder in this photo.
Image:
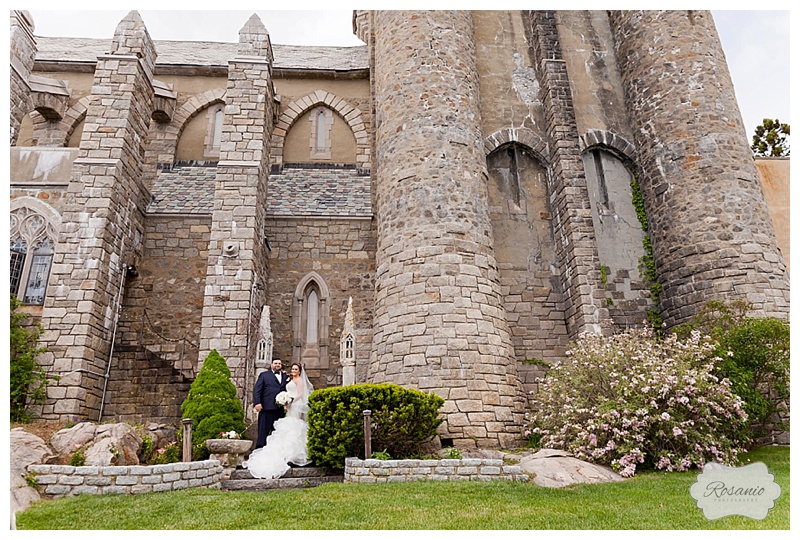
(26, 449)
(556, 468)
(66, 441)
(114, 444)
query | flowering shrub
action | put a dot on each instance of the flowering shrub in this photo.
(631, 399)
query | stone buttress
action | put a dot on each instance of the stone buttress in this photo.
(576, 247)
(712, 236)
(440, 325)
(234, 291)
(101, 226)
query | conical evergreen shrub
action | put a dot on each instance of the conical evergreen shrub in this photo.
(212, 404)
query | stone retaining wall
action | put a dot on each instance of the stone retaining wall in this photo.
(407, 470)
(62, 480)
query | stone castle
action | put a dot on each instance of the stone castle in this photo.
(445, 207)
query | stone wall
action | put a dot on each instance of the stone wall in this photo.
(342, 253)
(169, 287)
(101, 225)
(23, 52)
(439, 320)
(711, 232)
(63, 480)
(375, 471)
(774, 175)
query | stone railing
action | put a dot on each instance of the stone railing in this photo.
(408, 470)
(62, 480)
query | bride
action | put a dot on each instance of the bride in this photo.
(287, 443)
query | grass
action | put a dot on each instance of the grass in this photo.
(651, 500)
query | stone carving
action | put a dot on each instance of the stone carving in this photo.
(265, 342)
(347, 346)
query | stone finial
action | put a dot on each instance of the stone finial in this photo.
(361, 25)
(132, 37)
(347, 346)
(254, 39)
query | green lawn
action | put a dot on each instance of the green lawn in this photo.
(653, 500)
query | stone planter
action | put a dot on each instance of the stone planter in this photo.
(229, 452)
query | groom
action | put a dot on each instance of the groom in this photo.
(269, 384)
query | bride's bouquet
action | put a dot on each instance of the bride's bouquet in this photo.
(283, 399)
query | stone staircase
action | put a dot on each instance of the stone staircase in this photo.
(296, 477)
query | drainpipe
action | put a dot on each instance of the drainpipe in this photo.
(113, 338)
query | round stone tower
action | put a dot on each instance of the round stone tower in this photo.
(712, 236)
(440, 323)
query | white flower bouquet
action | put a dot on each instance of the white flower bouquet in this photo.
(283, 399)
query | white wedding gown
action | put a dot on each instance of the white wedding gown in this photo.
(286, 444)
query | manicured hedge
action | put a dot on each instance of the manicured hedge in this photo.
(403, 419)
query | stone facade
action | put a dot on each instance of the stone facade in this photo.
(464, 177)
(712, 234)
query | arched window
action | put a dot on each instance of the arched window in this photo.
(311, 322)
(312, 316)
(32, 247)
(213, 139)
(321, 124)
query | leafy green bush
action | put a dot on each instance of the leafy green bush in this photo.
(755, 357)
(633, 398)
(212, 404)
(402, 421)
(28, 379)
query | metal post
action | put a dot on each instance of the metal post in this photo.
(367, 435)
(187, 439)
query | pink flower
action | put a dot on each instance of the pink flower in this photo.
(677, 431)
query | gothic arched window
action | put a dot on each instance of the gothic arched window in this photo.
(32, 247)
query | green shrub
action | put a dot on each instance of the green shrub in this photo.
(28, 379)
(78, 458)
(212, 404)
(755, 357)
(402, 421)
(171, 453)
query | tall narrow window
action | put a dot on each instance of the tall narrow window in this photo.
(19, 250)
(312, 317)
(213, 140)
(39, 272)
(321, 124)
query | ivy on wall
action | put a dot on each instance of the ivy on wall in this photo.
(647, 263)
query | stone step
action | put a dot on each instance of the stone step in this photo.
(258, 484)
(294, 472)
(295, 477)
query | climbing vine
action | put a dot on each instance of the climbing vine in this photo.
(647, 263)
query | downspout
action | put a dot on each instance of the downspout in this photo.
(113, 339)
(247, 363)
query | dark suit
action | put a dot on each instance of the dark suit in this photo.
(267, 387)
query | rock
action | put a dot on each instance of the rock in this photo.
(554, 468)
(26, 449)
(483, 453)
(68, 440)
(115, 444)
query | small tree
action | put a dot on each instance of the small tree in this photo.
(770, 139)
(212, 404)
(28, 379)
